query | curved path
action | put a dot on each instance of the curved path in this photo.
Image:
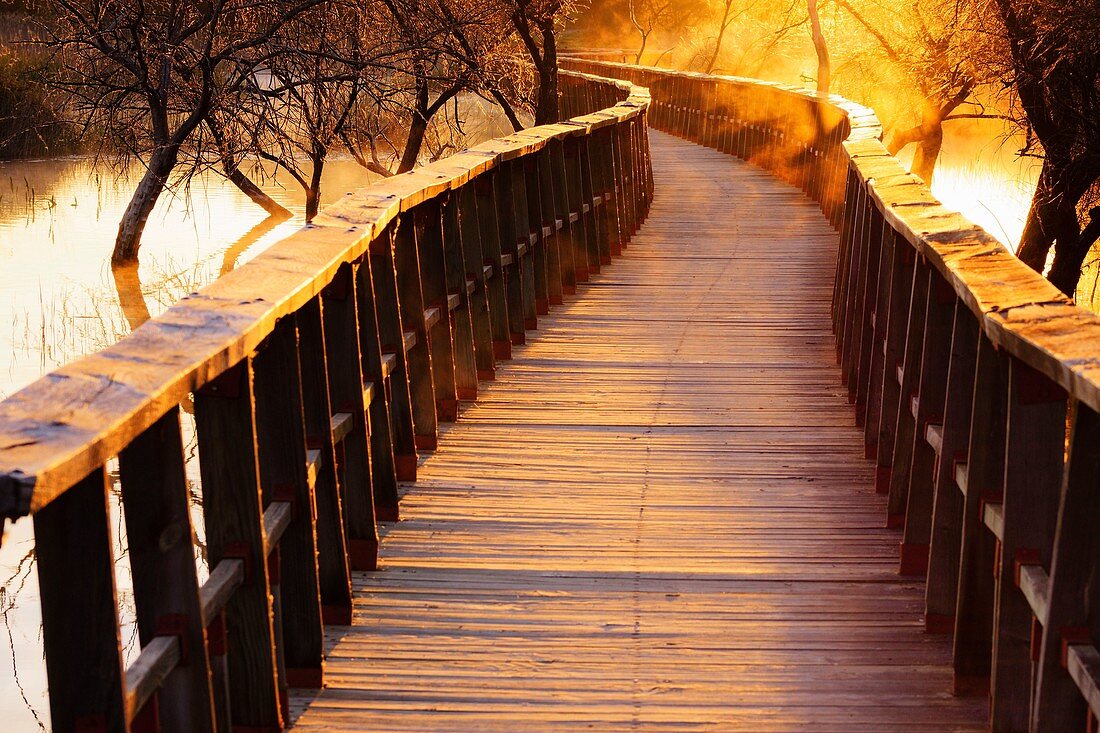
(659, 516)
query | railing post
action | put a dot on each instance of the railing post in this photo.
(902, 462)
(284, 477)
(459, 298)
(1074, 596)
(902, 270)
(161, 545)
(414, 336)
(377, 396)
(984, 481)
(333, 573)
(512, 268)
(433, 283)
(528, 199)
(550, 221)
(500, 309)
(941, 592)
(73, 549)
(392, 339)
(1034, 450)
(346, 384)
(594, 224)
(931, 393)
(567, 235)
(232, 506)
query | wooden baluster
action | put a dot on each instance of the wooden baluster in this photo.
(627, 178)
(529, 222)
(902, 462)
(843, 257)
(161, 545)
(383, 464)
(391, 337)
(459, 301)
(579, 220)
(473, 255)
(603, 175)
(488, 211)
(983, 479)
(512, 270)
(877, 372)
(865, 316)
(859, 244)
(1034, 452)
(1074, 596)
(433, 285)
(345, 380)
(595, 226)
(333, 573)
(941, 593)
(417, 347)
(284, 477)
(567, 236)
(528, 210)
(73, 551)
(550, 221)
(939, 311)
(233, 509)
(902, 267)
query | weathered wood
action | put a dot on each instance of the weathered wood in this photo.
(418, 358)
(433, 284)
(984, 481)
(1073, 598)
(458, 300)
(1034, 449)
(487, 306)
(902, 461)
(503, 182)
(931, 394)
(161, 544)
(333, 572)
(383, 469)
(284, 480)
(81, 642)
(345, 382)
(947, 512)
(225, 422)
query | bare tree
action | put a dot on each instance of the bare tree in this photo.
(146, 75)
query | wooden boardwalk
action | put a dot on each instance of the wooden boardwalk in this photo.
(659, 516)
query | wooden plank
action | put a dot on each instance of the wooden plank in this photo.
(1058, 692)
(232, 505)
(333, 572)
(344, 358)
(80, 640)
(160, 540)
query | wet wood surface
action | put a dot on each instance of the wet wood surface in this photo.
(658, 515)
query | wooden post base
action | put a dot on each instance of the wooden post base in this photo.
(405, 467)
(363, 554)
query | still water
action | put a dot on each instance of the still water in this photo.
(59, 300)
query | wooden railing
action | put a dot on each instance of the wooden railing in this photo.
(318, 370)
(976, 382)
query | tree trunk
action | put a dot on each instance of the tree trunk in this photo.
(641, 49)
(313, 193)
(1072, 248)
(928, 153)
(254, 192)
(824, 65)
(149, 189)
(547, 111)
(418, 128)
(1038, 234)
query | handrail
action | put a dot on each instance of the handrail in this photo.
(965, 368)
(318, 370)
